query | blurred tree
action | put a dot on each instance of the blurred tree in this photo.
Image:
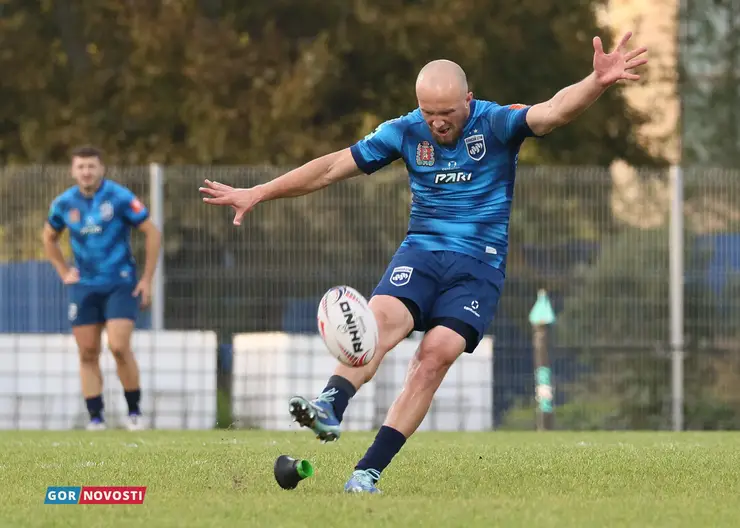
(280, 82)
(710, 68)
(226, 82)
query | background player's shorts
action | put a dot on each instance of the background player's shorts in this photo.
(445, 288)
(98, 304)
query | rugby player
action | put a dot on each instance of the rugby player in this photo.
(447, 276)
(102, 283)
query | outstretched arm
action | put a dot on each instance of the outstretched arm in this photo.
(570, 102)
(368, 155)
(312, 176)
(308, 178)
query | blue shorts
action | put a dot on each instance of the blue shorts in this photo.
(98, 304)
(445, 288)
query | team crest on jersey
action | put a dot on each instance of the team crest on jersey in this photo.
(425, 154)
(106, 211)
(74, 216)
(476, 146)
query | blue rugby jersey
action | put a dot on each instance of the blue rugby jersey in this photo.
(100, 230)
(461, 194)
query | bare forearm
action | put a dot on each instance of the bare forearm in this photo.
(55, 256)
(306, 179)
(573, 100)
(565, 106)
(152, 247)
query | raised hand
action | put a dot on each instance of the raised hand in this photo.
(617, 65)
(240, 200)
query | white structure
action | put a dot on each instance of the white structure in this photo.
(40, 385)
(269, 368)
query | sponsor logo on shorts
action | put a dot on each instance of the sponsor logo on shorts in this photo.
(72, 312)
(401, 275)
(473, 308)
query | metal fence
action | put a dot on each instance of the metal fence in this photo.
(598, 240)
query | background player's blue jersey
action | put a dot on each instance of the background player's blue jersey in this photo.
(100, 228)
(461, 194)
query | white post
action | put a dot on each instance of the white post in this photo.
(676, 274)
(156, 190)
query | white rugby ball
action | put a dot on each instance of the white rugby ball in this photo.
(347, 326)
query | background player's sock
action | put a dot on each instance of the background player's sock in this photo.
(95, 407)
(387, 443)
(344, 392)
(132, 399)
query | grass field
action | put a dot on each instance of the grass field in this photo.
(224, 478)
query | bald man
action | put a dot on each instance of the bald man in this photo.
(447, 275)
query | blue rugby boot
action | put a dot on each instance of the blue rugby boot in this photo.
(318, 415)
(363, 481)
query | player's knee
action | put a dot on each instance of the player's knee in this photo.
(394, 321)
(121, 353)
(89, 355)
(426, 370)
(435, 356)
(429, 366)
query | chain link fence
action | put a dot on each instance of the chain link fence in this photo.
(596, 239)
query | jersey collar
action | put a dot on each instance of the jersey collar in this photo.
(103, 182)
(471, 115)
(466, 126)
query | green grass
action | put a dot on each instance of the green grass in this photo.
(224, 478)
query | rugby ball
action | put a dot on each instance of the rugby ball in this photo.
(347, 326)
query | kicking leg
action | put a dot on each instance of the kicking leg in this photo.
(119, 340)
(324, 414)
(438, 351)
(91, 377)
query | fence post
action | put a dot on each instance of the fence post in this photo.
(156, 197)
(540, 318)
(676, 274)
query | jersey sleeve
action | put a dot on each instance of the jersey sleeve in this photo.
(379, 148)
(133, 210)
(509, 123)
(56, 215)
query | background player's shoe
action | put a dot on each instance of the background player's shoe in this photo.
(318, 415)
(96, 424)
(363, 481)
(135, 422)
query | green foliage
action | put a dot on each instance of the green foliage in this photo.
(631, 391)
(616, 323)
(581, 415)
(710, 65)
(280, 82)
(624, 297)
(617, 297)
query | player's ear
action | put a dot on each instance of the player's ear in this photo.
(468, 98)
